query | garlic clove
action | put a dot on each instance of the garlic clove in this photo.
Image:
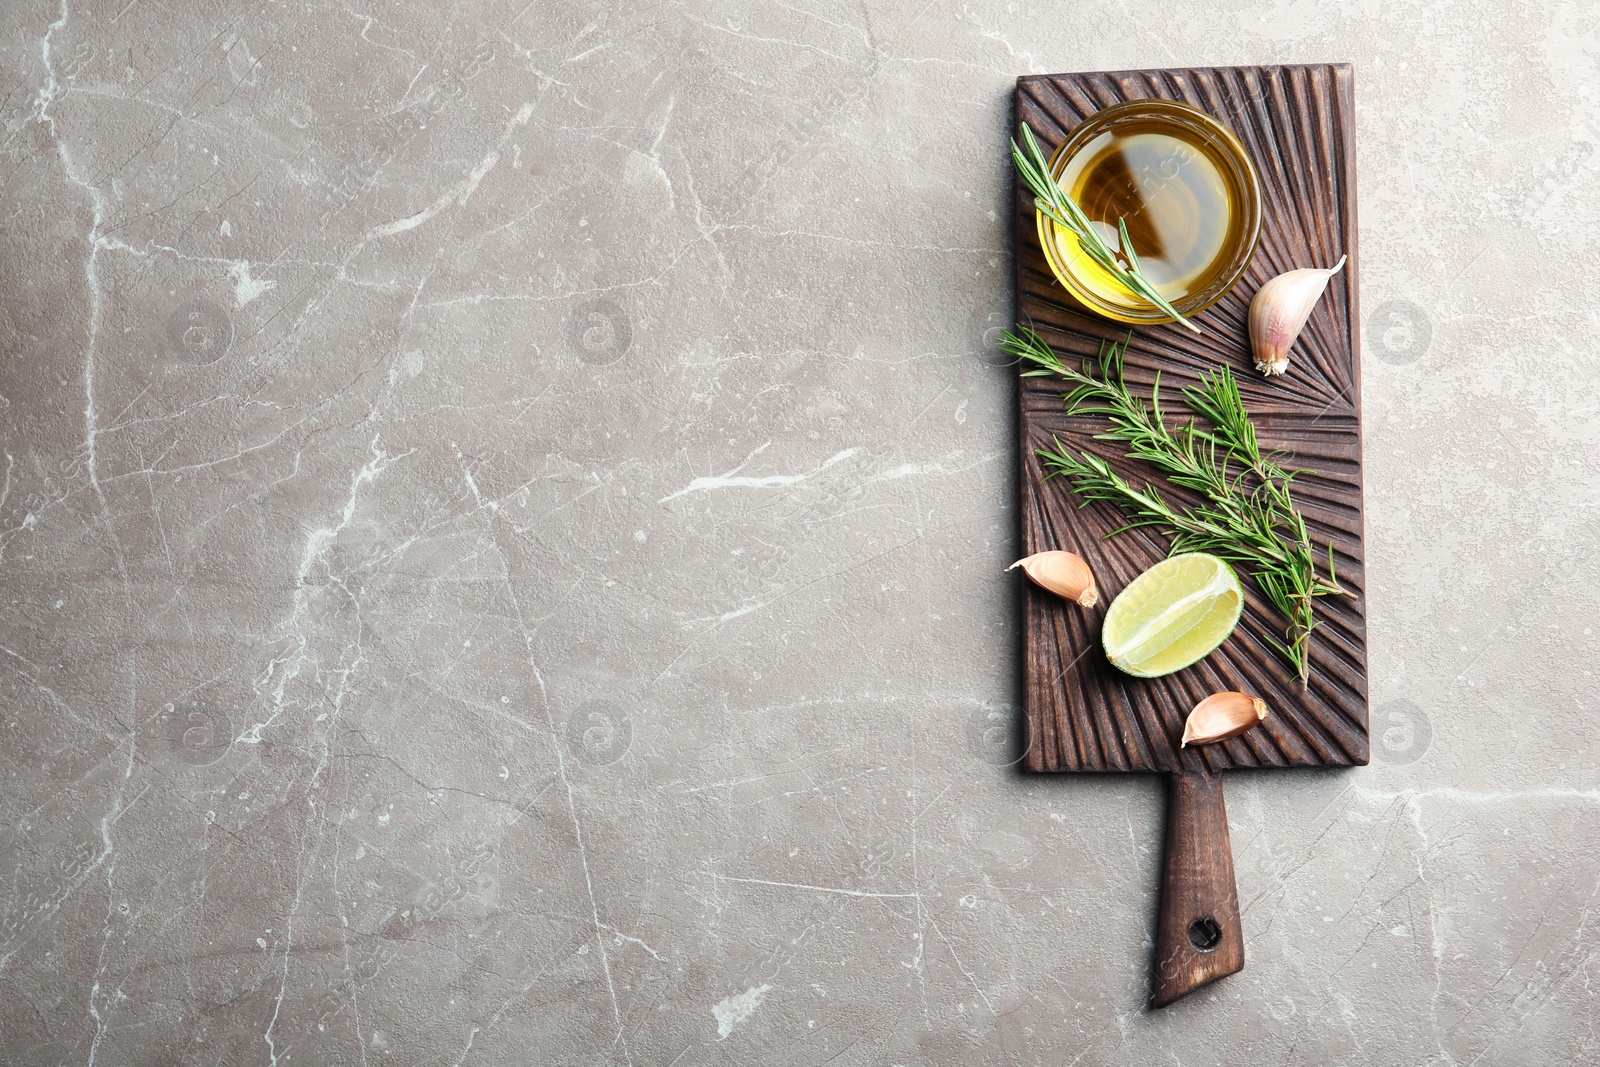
(1221, 716)
(1063, 573)
(1279, 311)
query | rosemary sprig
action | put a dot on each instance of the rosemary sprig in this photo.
(1054, 201)
(1247, 515)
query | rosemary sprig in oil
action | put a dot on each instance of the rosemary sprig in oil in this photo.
(1054, 201)
(1247, 516)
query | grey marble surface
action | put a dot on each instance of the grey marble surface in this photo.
(503, 519)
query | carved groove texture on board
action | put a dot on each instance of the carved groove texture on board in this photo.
(1082, 715)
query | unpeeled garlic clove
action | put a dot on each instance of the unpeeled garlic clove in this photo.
(1063, 573)
(1279, 311)
(1221, 716)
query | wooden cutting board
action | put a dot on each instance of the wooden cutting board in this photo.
(1298, 123)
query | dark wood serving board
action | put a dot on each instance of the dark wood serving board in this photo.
(1298, 123)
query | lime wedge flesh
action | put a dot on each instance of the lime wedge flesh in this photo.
(1174, 614)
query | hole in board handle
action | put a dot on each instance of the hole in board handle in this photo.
(1205, 934)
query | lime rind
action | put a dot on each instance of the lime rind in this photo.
(1173, 615)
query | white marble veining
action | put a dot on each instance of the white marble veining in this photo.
(503, 530)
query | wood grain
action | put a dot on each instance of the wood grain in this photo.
(1199, 936)
(1082, 715)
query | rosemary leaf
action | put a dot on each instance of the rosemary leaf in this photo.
(1246, 516)
(1052, 200)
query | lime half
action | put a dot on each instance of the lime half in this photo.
(1172, 615)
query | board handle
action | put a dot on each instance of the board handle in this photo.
(1199, 937)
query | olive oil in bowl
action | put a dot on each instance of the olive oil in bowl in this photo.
(1186, 190)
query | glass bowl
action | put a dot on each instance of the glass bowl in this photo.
(1188, 192)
